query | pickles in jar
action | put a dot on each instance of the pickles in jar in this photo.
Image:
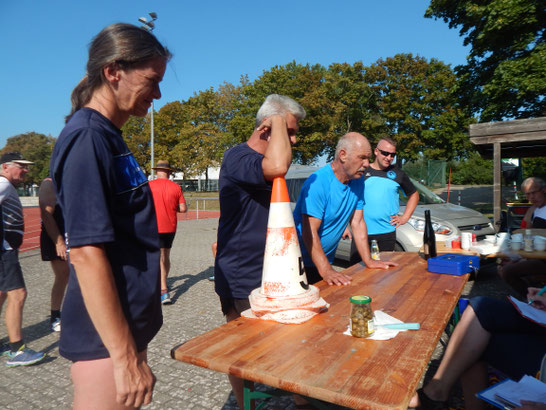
(361, 316)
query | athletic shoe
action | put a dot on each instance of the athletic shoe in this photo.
(166, 299)
(56, 325)
(24, 357)
(4, 349)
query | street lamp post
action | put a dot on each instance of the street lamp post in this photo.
(149, 25)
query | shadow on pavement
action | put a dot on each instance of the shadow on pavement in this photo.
(178, 289)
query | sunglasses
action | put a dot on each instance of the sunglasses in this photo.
(387, 153)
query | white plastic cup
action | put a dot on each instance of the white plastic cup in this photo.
(516, 245)
(466, 240)
(540, 243)
(517, 237)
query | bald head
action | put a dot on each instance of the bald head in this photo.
(351, 141)
(353, 154)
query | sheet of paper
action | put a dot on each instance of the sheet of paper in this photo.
(528, 388)
(529, 312)
(508, 393)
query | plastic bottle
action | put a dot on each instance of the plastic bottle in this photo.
(429, 238)
(528, 241)
(375, 250)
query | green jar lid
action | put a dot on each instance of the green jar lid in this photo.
(360, 299)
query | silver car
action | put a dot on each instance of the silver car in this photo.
(448, 220)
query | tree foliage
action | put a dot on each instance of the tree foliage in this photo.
(417, 107)
(36, 148)
(505, 74)
(471, 171)
(410, 99)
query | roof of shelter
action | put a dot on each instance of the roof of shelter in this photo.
(518, 138)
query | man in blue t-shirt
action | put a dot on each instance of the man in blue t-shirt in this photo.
(382, 181)
(245, 183)
(329, 199)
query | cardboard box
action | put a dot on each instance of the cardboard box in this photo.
(453, 264)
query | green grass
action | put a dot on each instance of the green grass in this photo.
(205, 200)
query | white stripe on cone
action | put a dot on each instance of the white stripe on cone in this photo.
(285, 295)
(282, 273)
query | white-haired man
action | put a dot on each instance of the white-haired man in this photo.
(13, 170)
(245, 183)
(331, 198)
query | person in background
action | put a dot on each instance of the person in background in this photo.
(53, 248)
(535, 190)
(382, 181)
(491, 332)
(329, 199)
(112, 307)
(245, 183)
(13, 170)
(168, 200)
(522, 273)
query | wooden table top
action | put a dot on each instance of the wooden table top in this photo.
(316, 359)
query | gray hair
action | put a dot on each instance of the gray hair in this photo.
(120, 43)
(347, 142)
(276, 104)
(533, 180)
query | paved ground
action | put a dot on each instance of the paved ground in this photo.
(195, 310)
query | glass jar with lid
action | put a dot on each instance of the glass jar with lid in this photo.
(361, 316)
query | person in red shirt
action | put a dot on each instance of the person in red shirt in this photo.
(168, 201)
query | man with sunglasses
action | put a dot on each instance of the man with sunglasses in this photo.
(13, 169)
(382, 181)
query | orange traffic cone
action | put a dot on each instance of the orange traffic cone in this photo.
(285, 296)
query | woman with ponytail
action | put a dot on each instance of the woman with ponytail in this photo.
(112, 307)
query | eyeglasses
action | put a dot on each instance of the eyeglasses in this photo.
(387, 153)
(533, 192)
(25, 167)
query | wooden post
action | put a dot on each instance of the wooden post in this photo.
(497, 188)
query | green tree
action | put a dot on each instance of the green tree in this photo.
(36, 148)
(351, 103)
(505, 73)
(304, 84)
(417, 107)
(471, 171)
(534, 167)
(136, 133)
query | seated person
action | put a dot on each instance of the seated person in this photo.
(489, 328)
(529, 272)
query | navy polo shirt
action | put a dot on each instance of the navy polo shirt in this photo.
(105, 199)
(245, 196)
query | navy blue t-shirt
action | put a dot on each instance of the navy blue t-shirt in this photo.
(105, 199)
(245, 196)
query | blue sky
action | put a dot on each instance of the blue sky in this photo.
(44, 44)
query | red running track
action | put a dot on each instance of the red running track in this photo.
(31, 239)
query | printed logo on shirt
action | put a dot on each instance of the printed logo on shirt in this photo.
(391, 174)
(129, 176)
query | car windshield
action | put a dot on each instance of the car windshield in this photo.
(426, 196)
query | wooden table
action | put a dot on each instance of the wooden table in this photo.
(316, 359)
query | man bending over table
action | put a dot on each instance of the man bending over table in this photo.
(329, 199)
